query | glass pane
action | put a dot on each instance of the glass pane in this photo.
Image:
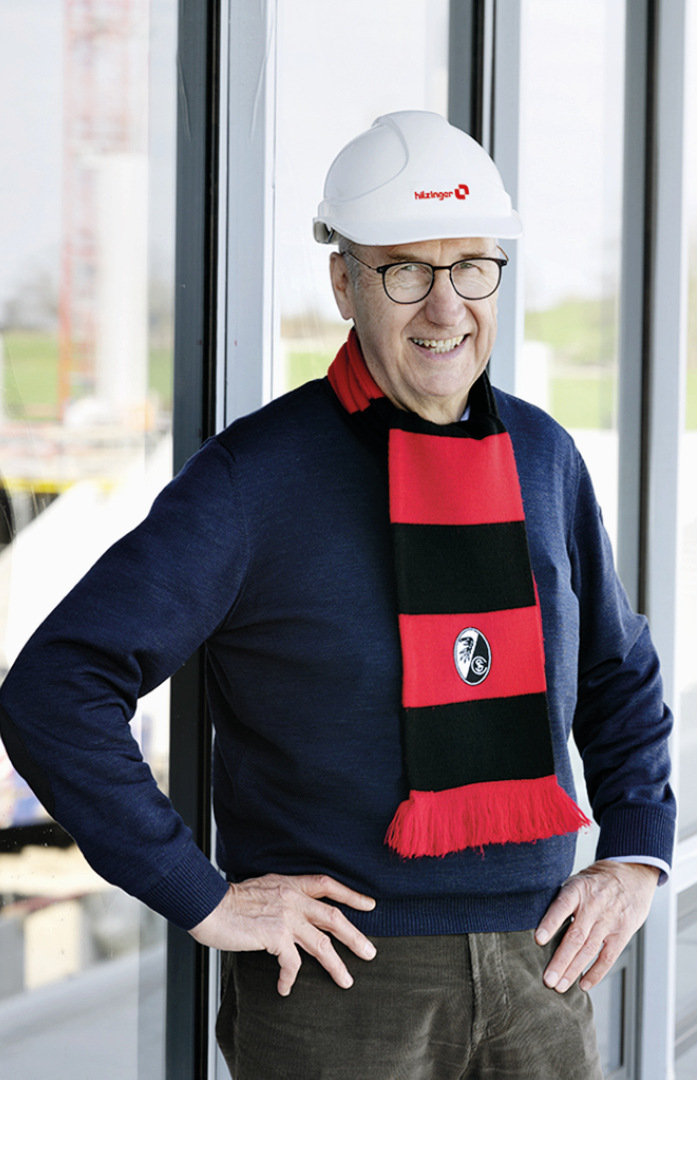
(686, 1062)
(389, 56)
(609, 1010)
(686, 986)
(572, 108)
(571, 201)
(687, 573)
(86, 286)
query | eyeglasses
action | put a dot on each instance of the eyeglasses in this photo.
(408, 282)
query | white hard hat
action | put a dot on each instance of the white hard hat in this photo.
(414, 177)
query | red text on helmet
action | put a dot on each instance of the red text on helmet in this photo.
(461, 192)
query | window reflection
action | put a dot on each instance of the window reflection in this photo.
(85, 418)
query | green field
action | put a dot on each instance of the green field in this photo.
(583, 388)
(304, 365)
(31, 375)
(579, 334)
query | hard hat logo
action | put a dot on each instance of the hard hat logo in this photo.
(461, 192)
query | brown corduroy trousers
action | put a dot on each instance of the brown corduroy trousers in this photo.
(434, 1007)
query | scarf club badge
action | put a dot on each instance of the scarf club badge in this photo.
(472, 654)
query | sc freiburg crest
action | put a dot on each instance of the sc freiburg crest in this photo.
(472, 655)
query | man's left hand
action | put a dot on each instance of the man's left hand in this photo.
(608, 902)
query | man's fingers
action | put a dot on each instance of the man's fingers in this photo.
(330, 919)
(289, 963)
(576, 951)
(323, 886)
(316, 925)
(311, 921)
(321, 922)
(563, 907)
(601, 954)
(603, 964)
(319, 945)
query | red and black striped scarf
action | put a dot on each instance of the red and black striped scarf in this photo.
(475, 725)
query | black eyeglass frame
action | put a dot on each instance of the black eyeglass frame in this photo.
(383, 269)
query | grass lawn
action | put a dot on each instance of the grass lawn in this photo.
(31, 375)
(582, 337)
(161, 375)
(583, 401)
(583, 332)
(306, 364)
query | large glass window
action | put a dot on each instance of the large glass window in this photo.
(337, 71)
(572, 110)
(86, 286)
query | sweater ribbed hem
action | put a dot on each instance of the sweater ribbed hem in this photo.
(188, 893)
(455, 914)
(638, 830)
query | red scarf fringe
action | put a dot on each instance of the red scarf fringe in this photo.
(432, 823)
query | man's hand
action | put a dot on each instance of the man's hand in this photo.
(608, 901)
(278, 913)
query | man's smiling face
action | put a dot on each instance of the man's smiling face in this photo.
(424, 356)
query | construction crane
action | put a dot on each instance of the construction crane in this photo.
(102, 332)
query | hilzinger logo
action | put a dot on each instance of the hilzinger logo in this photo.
(461, 192)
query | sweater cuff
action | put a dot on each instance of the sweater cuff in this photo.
(189, 892)
(637, 831)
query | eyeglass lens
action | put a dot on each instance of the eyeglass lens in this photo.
(473, 279)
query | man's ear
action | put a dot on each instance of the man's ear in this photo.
(341, 284)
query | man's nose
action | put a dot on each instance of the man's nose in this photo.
(443, 304)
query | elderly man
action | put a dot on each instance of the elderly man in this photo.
(407, 599)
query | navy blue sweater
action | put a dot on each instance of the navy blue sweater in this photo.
(272, 548)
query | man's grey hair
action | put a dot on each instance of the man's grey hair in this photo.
(349, 247)
(345, 245)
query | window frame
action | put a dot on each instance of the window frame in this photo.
(188, 982)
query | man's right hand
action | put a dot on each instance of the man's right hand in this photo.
(278, 913)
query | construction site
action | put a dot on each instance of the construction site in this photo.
(85, 445)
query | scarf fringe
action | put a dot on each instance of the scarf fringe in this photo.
(434, 823)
